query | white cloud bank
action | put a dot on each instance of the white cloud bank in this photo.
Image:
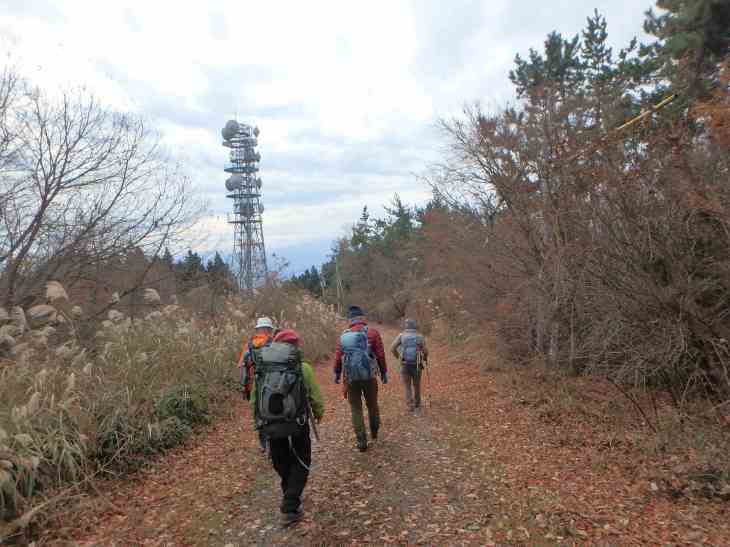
(346, 93)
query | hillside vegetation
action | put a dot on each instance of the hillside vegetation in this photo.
(576, 231)
(73, 410)
(583, 231)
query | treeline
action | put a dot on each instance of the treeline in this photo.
(373, 262)
(192, 271)
(591, 245)
(191, 280)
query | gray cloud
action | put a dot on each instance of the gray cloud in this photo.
(315, 167)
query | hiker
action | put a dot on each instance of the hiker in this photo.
(263, 335)
(285, 399)
(410, 347)
(359, 350)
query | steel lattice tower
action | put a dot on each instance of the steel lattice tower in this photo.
(244, 187)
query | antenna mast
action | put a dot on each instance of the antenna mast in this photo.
(244, 188)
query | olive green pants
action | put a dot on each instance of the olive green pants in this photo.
(356, 392)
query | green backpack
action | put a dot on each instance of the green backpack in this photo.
(281, 396)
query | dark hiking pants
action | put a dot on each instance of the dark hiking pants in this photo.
(412, 380)
(356, 392)
(293, 474)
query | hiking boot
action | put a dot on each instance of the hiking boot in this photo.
(288, 519)
(374, 434)
(362, 443)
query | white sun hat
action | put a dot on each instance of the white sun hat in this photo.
(264, 323)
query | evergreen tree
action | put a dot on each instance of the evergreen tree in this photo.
(558, 72)
(314, 282)
(398, 228)
(220, 277)
(310, 280)
(193, 264)
(328, 272)
(216, 265)
(693, 37)
(362, 231)
(190, 270)
(167, 259)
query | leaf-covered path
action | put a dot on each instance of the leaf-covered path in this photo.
(477, 466)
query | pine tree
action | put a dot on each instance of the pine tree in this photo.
(693, 37)
(398, 228)
(362, 231)
(310, 280)
(558, 72)
(314, 282)
(167, 259)
(190, 270)
(612, 84)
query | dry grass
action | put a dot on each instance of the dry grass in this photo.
(69, 415)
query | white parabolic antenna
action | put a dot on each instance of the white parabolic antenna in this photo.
(244, 188)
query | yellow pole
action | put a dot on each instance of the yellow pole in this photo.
(651, 110)
(664, 102)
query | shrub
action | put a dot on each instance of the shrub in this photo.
(184, 403)
(172, 431)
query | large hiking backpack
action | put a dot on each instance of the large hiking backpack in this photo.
(356, 355)
(281, 396)
(257, 342)
(409, 348)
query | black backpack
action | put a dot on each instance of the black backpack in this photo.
(281, 396)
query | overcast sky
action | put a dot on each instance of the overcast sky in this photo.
(346, 94)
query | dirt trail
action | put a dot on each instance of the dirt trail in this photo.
(476, 467)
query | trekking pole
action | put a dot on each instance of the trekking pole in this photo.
(425, 393)
(312, 421)
(428, 385)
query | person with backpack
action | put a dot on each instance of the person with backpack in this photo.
(263, 336)
(285, 399)
(410, 347)
(360, 355)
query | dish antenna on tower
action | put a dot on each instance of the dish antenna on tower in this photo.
(244, 188)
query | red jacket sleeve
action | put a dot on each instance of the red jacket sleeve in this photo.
(338, 358)
(249, 375)
(376, 343)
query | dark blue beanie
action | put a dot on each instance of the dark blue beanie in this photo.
(354, 311)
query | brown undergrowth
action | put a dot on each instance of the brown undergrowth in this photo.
(622, 462)
(501, 455)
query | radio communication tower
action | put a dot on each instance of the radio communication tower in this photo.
(244, 188)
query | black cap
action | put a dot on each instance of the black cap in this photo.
(354, 311)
